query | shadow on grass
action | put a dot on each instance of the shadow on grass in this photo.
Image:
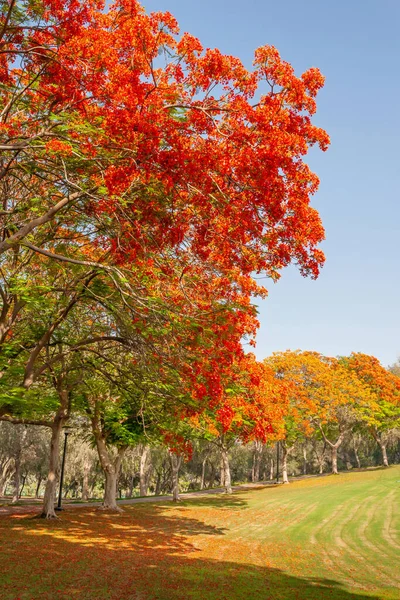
(234, 500)
(145, 553)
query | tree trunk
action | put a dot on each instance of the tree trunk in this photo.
(130, 489)
(378, 438)
(39, 481)
(212, 476)
(285, 453)
(222, 473)
(334, 450)
(5, 475)
(226, 470)
(203, 473)
(304, 460)
(110, 489)
(143, 471)
(17, 479)
(175, 465)
(22, 486)
(49, 498)
(271, 469)
(384, 455)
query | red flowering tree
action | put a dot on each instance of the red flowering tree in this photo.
(252, 408)
(172, 171)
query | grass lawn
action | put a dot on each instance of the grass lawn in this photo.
(328, 538)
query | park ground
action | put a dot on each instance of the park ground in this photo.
(335, 537)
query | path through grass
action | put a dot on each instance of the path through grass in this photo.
(330, 538)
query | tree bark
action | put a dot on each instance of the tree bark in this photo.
(304, 460)
(111, 469)
(143, 471)
(175, 465)
(384, 455)
(226, 470)
(271, 469)
(49, 498)
(5, 475)
(285, 453)
(334, 450)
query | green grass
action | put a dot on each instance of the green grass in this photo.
(325, 538)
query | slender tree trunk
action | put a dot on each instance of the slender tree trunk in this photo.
(17, 480)
(378, 438)
(130, 489)
(39, 482)
(334, 446)
(175, 465)
(285, 453)
(49, 498)
(271, 469)
(226, 470)
(111, 470)
(212, 476)
(143, 471)
(384, 455)
(22, 486)
(157, 491)
(304, 460)
(222, 473)
(203, 473)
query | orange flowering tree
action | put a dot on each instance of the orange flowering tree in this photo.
(325, 394)
(252, 408)
(291, 367)
(384, 415)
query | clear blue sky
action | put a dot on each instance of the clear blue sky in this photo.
(354, 305)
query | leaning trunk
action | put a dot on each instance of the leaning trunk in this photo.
(226, 470)
(22, 487)
(49, 498)
(384, 455)
(175, 464)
